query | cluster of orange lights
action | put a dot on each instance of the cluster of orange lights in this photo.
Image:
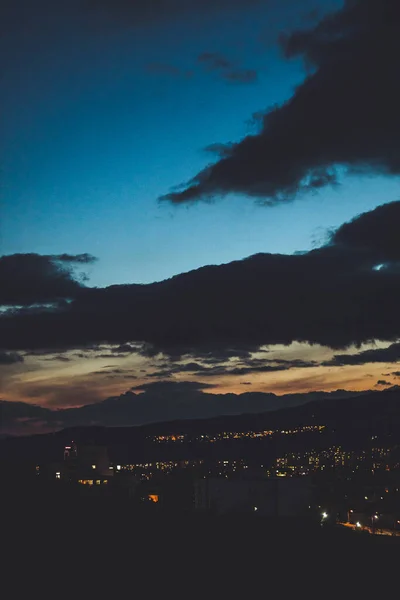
(227, 435)
(92, 481)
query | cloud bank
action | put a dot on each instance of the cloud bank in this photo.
(225, 68)
(344, 115)
(334, 296)
(27, 279)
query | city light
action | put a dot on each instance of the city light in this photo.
(236, 435)
(358, 524)
(324, 515)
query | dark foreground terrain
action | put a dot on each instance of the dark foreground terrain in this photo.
(89, 549)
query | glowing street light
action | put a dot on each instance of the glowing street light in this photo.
(373, 519)
(349, 512)
(324, 515)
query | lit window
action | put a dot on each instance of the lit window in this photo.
(153, 497)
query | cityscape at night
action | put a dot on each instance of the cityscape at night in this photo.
(304, 462)
(199, 297)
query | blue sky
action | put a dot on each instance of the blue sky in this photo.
(94, 136)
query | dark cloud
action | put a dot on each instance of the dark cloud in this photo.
(28, 279)
(108, 355)
(192, 367)
(10, 358)
(209, 352)
(213, 61)
(163, 374)
(115, 373)
(332, 295)
(58, 358)
(379, 355)
(376, 233)
(246, 383)
(126, 349)
(227, 70)
(42, 352)
(345, 113)
(396, 373)
(383, 382)
(220, 149)
(219, 370)
(265, 366)
(296, 363)
(170, 370)
(253, 366)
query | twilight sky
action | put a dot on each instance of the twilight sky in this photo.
(142, 141)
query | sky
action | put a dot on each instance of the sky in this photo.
(140, 142)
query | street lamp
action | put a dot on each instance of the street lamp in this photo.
(373, 519)
(348, 514)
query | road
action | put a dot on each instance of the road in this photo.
(376, 531)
